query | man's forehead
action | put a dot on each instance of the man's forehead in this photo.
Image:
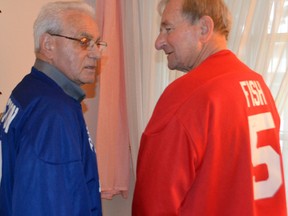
(80, 24)
(171, 13)
(172, 7)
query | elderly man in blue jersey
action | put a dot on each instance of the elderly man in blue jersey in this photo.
(49, 163)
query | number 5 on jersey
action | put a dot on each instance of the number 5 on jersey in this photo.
(264, 154)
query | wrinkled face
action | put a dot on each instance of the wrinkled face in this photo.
(178, 38)
(73, 60)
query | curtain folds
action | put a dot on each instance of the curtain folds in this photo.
(145, 68)
(112, 137)
(144, 82)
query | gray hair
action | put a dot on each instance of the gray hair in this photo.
(50, 20)
(195, 9)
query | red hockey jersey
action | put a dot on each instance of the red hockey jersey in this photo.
(212, 146)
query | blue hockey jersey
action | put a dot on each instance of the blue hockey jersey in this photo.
(49, 164)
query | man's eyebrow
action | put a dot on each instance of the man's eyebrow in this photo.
(85, 34)
(164, 23)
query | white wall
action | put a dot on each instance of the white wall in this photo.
(16, 43)
(17, 58)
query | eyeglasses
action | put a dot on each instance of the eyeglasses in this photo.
(86, 42)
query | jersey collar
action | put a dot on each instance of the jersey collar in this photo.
(69, 87)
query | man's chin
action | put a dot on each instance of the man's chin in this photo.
(171, 66)
(87, 81)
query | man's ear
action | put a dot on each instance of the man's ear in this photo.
(207, 28)
(47, 44)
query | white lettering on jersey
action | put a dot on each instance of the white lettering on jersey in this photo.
(9, 115)
(90, 140)
(264, 154)
(253, 93)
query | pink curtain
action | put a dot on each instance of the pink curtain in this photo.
(112, 137)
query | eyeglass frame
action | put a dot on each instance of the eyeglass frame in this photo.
(101, 45)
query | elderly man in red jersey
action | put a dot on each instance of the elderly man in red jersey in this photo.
(211, 147)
